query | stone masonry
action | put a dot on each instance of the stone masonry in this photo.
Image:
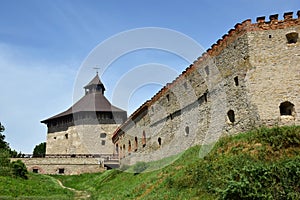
(249, 78)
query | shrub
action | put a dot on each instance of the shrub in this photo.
(19, 169)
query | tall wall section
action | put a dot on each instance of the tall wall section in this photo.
(82, 139)
(236, 85)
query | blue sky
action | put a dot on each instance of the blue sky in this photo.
(44, 43)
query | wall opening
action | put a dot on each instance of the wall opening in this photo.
(270, 36)
(129, 146)
(66, 136)
(236, 81)
(124, 150)
(159, 141)
(34, 170)
(102, 142)
(117, 148)
(231, 116)
(292, 37)
(187, 131)
(206, 70)
(61, 170)
(185, 85)
(136, 143)
(144, 139)
(102, 135)
(168, 97)
(286, 108)
(205, 96)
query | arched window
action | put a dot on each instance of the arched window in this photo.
(286, 108)
(136, 143)
(187, 131)
(292, 37)
(159, 141)
(231, 116)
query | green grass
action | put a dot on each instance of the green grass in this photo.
(37, 186)
(260, 164)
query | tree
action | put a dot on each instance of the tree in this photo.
(3, 144)
(40, 150)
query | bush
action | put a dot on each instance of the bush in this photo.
(19, 169)
(5, 168)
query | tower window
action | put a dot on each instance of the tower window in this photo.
(286, 108)
(292, 37)
(231, 116)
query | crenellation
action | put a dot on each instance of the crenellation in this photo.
(274, 18)
(288, 16)
(260, 20)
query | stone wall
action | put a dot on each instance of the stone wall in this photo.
(67, 166)
(236, 85)
(82, 139)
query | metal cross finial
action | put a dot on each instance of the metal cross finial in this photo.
(96, 68)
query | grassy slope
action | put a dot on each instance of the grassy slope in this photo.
(260, 164)
(35, 187)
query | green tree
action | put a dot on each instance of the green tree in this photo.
(3, 144)
(39, 150)
(19, 169)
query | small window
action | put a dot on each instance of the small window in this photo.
(205, 97)
(187, 131)
(231, 116)
(136, 143)
(54, 138)
(129, 146)
(236, 81)
(168, 97)
(61, 170)
(292, 37)
(144, 139)
(286, 108)
(34, 170)
(270, 36)
(103, 142)
(159, 141)
(206, 70)
(185, 85)
(103, 135)
(66, 136)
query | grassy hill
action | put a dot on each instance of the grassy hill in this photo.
(261, 164)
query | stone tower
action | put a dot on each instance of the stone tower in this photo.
(87, 126)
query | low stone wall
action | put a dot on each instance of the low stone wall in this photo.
(67, 166)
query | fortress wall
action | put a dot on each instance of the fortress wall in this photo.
(82, 139)
(69, 166)
(237, 74)
(275, 76)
